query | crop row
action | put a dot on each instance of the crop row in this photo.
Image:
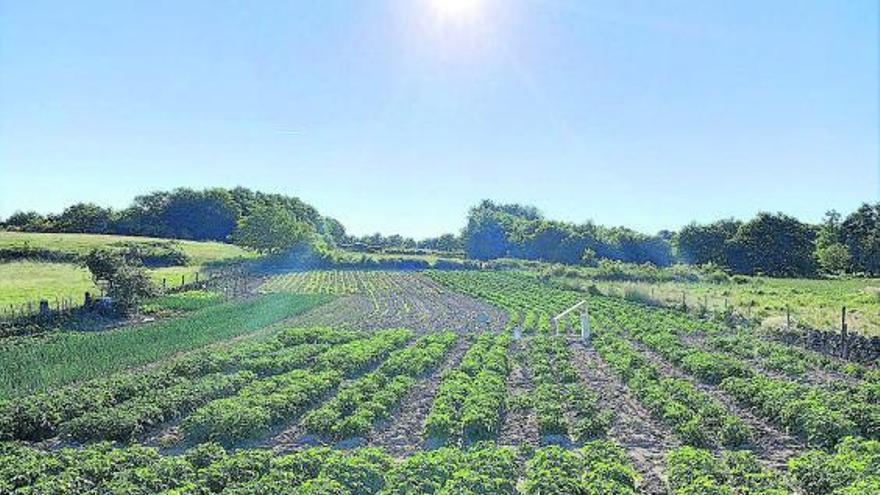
(853, 468)
(362, 402)
(821, 416)
(598, 467)
(512, 292)
(697, 418)
(123, 404)
(471, 400)
(797, 362)
(562, 405)
(131, 418)
(41, 365)
(692, 471)
(337, 282)
(256, 408)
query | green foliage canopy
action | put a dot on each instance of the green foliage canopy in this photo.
(271, 230)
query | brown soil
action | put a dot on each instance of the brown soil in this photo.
(520, 426)
(403, 433)
(645, 440)
(415, 302)
(771, 445)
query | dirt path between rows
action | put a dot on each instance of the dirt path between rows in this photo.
(645, 440)
(771, 445)
(520, 425)
(403, 433)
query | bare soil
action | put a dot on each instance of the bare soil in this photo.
(770, 444)
(645, 440)
(403, 433)
(520, 425)
(415, 302)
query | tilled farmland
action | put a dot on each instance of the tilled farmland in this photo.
(458, 382)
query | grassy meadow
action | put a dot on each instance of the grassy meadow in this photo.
(22, 282)
(815, 303)
(199, 252)
(28, 281)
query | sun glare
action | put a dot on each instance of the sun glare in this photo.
(456, 10)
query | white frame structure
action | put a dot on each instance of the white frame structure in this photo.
(585, 318)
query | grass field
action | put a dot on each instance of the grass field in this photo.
(812, 303)
(70, 356)
(199, 252)
(23, 282)
(27, 281)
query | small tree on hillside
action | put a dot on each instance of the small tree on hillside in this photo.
(833, 258)
(123, 277)
(270, 230)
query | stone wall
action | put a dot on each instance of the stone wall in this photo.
(860, 348)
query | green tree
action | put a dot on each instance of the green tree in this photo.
(833, 258)
(271, 229)
(774, 244)
(701, 244)
(27, 221)
(85, 218)
(860, 233)
(335, 230)
(484, 236)
(123, 277)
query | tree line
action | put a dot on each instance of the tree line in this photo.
(772, 244)
(216, 214)
(448, 243)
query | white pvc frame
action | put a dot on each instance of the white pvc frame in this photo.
(585, 318)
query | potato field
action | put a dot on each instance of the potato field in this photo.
(436, 382)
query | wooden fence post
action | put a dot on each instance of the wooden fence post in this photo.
(787, 317)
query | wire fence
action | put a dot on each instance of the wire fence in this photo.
(827, 329)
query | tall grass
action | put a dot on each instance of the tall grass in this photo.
(70, 357)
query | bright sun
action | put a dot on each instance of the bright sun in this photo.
(457, 10)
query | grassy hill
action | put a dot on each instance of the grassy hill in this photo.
(28, 281)
(199, 252)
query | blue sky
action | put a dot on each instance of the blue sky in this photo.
(398, 115)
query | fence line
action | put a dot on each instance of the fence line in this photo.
(789, 316)
(66, 304)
